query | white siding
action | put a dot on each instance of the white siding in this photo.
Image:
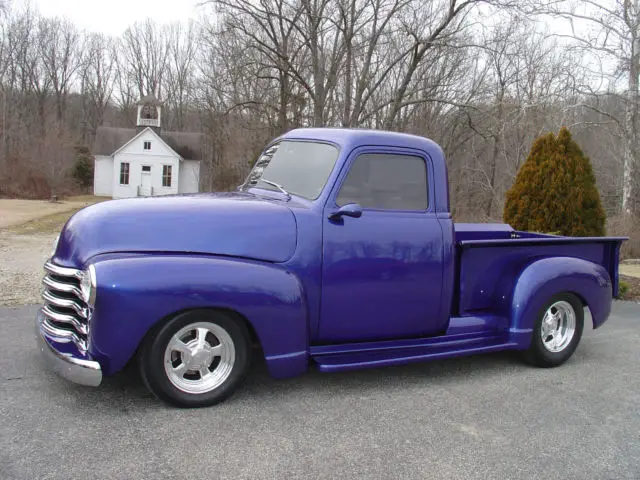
(189, 176)
(103, 176)
(158, 147)
(136, 162)
(135, 154)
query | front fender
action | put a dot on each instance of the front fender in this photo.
(136, 292)
(543, 278)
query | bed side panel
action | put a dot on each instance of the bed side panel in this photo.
(489, 273)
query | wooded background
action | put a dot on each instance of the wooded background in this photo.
(482, 78)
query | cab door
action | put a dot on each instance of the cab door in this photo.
(382, 272)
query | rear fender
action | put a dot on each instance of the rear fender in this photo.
(546, 277)
(136, 292)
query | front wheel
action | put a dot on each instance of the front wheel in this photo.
(196, 359)
(557, 331)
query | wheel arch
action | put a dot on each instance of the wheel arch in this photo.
(544, 278)
(255, 339)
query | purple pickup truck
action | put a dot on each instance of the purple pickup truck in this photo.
(337, 252)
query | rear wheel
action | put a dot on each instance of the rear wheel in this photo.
(196, 359)
(557, 331)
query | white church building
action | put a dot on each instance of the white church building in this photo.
(146, 161)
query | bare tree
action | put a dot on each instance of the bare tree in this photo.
(428, 25)
(366, 27)
(613, 39)
(179, 78)
(526, 73)
(269, 33)
(144, 48)
(98, 78)
(126, 91)
(59, 49)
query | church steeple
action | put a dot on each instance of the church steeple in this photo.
(149, 112)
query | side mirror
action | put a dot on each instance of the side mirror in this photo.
(352, 210)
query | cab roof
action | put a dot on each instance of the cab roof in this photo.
(355, 137)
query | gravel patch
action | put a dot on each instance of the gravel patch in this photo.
(21, 260)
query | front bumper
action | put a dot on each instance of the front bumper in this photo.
(66, 364)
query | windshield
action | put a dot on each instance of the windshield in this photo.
(300, 168)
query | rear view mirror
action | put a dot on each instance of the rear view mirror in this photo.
(352, 210)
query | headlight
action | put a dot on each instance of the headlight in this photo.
(88, 285)
(55, 246)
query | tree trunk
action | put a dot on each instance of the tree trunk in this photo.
(348, 19)
(284, 101)
(631, 124)
(492, 175)
(495, 151)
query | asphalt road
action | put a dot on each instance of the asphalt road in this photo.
(483, 417)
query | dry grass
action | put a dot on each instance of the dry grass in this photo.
(48, 224)
(39, 215)
(633, 291)
(88, 199)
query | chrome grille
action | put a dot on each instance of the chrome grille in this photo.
(66, 314)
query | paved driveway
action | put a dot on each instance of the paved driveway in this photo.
(486, 417)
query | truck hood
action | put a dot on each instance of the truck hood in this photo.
(232, 224)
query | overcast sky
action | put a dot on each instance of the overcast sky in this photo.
(114, 16)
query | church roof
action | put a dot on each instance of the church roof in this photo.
(149, 100)
(188, 145)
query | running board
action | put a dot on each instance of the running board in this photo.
(334, 358)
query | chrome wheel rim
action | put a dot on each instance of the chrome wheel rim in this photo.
(199, 358)
(558, 326)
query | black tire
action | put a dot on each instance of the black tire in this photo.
(151, 359)
(538, 354)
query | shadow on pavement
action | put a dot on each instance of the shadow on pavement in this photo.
(129, 392)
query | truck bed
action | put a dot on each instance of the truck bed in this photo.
(489, 254)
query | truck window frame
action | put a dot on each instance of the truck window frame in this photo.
(400, 151)
(327, 184)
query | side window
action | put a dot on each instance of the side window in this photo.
(124, 173)
(166, 175)
(386, 181)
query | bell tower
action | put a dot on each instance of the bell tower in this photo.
(149, 113)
